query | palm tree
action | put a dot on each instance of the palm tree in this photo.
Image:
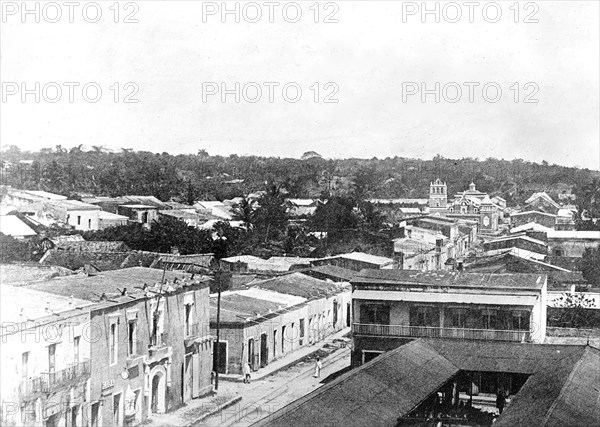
(244, 212)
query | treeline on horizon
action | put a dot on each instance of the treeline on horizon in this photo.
(185, 178)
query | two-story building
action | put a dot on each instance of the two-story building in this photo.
(149, 340)
(45, 369)
(393, 306)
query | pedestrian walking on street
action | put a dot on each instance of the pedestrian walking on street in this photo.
(318, 367)
(247, 373)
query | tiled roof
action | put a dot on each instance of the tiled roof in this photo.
(375, 394)
(542, 195)
(562, 388)
(300, 285)
(238, 308)
(333, 272)
(451, 279)
(179, 262)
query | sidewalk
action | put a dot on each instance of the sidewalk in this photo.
(322, 349)
(230, 394)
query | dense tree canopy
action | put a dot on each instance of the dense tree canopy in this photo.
(201, 176)
(590, 265)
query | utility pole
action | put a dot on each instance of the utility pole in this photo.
(218, 280)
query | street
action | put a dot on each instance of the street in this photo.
(262, 398)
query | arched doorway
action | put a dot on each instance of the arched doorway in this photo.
(158, 388)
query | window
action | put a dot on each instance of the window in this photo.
(489, 319)
(78, 219)
(113, 343)
(131, 337)
(424, 316)
(301, 331)
(25, 365)
(463, 209)
(89, 224)
(335, 314)
(51, 358)
(457, 317)
(76, 341)
(377, 314)
(188, 319)
(117, 409)
(520, 320)
(95, 414)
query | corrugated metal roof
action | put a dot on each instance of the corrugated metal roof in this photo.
(562, 389)
(451, 279)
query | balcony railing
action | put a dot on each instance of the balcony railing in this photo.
(47, 382)
(440, 332)
(158, 340)
(158, 347)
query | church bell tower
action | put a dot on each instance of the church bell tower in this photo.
(438, 195)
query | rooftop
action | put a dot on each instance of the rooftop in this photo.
(562, 388)
(302, 202)
(532, 212)
(450, 279)
(300, 285)
(20, 304)
(534, 226)
(11, 225)
(516, 237)
(74, 205)
(46, 195)
(333, 272)
(108, 282)
(363, 257)
(109, 215)
(399, 201)
(13, 274)
(123, 200)
(185, 262)
(542, 195)
(243, 305)
(138, 206)
(595, 235)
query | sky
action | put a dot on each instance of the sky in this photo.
(368, 79)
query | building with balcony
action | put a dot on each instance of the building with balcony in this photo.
(45, 370)
(394, 306)
(433, 243)
(149, 340)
